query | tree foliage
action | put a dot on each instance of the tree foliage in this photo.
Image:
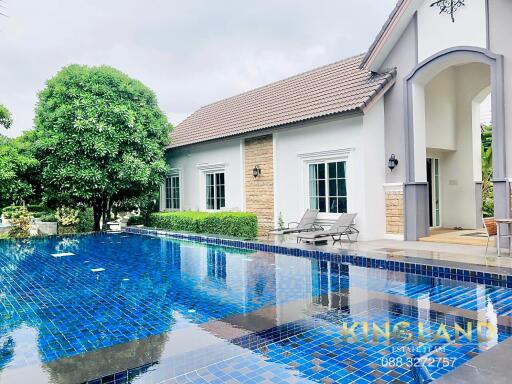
(5, 117)
(101, 138)
(18, 169)
(487, 172)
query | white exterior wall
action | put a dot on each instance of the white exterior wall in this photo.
(375, 168)
(453, 136)
(357, 140)
(440, 104)
(437, 32)
(192, 161)
(360, 142)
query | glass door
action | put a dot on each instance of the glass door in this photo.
(437, 204)
(434, 192)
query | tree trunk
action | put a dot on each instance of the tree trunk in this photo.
(103, 213)
(101, 209)
(96, 207)
(109, 208)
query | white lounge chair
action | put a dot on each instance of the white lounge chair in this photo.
(307, 223)
(344, 226)
(120, 223)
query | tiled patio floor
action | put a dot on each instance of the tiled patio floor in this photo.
(397, 249)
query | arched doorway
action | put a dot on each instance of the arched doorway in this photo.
(440, 94)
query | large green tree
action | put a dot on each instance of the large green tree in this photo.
(101, 138)
(18, 169)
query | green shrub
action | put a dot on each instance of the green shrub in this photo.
(67, 217)
(35, 208)
(86, 220)
(176, 221)
(21, 220)
(136, 220)
(67, 230)
(236, 224)
(46, 216)
(9, 211)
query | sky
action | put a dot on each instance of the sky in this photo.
(189, 52)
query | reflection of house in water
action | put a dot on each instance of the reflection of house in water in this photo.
(216, 264)
(332, 284)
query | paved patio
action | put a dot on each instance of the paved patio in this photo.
(397, 249)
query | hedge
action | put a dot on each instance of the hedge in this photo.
(235, 224)
(36, 211)
(10, 210)
(136, 220)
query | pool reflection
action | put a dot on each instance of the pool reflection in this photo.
(163, 308)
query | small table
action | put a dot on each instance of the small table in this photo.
(499, 222)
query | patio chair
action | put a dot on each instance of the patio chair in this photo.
(307, 223)
(344, 226)
(491, 228)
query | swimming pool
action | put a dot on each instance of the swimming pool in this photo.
(119, 308)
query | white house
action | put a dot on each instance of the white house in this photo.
(325, 138)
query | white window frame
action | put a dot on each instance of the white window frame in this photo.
(331, 156)
(205, 169)
(215, 186)
(175, 173)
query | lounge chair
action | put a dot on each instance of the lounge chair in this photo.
(307, 223)
(344, 226)
(120, 223)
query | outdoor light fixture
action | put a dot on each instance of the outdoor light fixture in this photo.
(392, 162)
(256, 171)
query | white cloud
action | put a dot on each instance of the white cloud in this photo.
(190, 53)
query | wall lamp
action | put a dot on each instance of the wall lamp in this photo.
(392, 162)
(256, 171)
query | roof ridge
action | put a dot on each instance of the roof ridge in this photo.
(285, 79)
(338, 87)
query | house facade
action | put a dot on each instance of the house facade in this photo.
(326, 138)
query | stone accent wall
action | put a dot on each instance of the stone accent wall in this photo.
(394, 212)
(259, 191)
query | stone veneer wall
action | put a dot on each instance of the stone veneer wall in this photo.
(259, 191)
(394, 212)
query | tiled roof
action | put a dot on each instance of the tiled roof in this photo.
(335, 88)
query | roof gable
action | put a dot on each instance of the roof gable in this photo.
(336, 88)
(390, 33)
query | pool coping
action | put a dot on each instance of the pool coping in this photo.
(496, 276)
(492, 366)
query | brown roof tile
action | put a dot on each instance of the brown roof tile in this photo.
(335, 88)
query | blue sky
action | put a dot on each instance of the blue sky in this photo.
(190, 53)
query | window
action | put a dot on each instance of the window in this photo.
(215, 190)
(328, 187)
(172, 192)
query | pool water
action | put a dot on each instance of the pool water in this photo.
(119, 308)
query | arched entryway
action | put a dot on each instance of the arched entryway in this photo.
(460, 76)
